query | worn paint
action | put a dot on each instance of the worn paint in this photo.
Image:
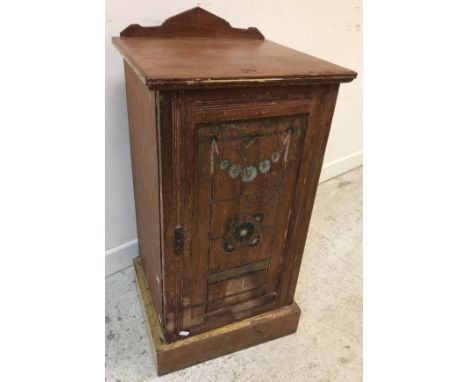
(249, 171)
(243, 232)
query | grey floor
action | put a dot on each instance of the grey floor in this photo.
(328, 344)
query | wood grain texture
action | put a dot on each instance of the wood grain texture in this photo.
(192, 299)
(304, 193)
(197, 49)
(195, 22)
(198, 62)
(236, 285)
(168, 128)
(145, 170)
(203, 103)
(230, 338)
(261, 119)
(238, 271)
(235, 299)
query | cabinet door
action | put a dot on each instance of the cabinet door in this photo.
(241, 157)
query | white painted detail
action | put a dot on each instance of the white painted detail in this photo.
(157, 279)
(183, 333)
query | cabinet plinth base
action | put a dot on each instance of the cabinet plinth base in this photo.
(214, 343)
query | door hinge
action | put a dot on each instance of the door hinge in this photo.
(178, 240)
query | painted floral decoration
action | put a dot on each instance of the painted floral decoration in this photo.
(243, 232)
(234, 171)
(224, 164)
(275, 157)
(249, 173)
(264, 166)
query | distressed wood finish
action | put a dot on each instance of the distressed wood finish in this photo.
(239, 117)
(195, 22)
(224, 63)
(228, 133)
(230, 338)
(232, 58)
(143, 140)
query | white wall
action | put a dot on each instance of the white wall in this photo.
(329, 29)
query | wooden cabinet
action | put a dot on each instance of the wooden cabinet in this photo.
(228, 133)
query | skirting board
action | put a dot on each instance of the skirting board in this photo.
(120, 257)
(340, 166)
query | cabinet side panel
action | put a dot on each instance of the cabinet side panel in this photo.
(143, 140)
(309, 174)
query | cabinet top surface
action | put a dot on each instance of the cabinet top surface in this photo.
(197, 47)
